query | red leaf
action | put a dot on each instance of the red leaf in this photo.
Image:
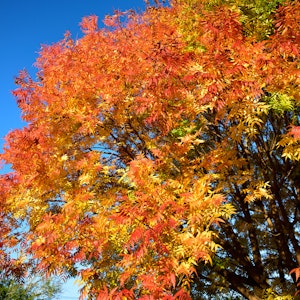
(295, 131)
(296, 271)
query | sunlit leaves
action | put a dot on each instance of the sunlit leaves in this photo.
(125, 172)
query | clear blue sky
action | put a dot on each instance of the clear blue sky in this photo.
(24, 26)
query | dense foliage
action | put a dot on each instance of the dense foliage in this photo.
(161, 156)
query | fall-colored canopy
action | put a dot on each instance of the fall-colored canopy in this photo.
(118, 177)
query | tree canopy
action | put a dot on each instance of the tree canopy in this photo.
(161, 155)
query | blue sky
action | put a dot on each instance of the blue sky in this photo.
(24, 27)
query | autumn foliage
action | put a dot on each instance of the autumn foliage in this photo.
(149, 140)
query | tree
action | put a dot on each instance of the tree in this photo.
(11, 289)
(161, 156)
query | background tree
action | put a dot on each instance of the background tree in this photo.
(38, 288)
(145, 137)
